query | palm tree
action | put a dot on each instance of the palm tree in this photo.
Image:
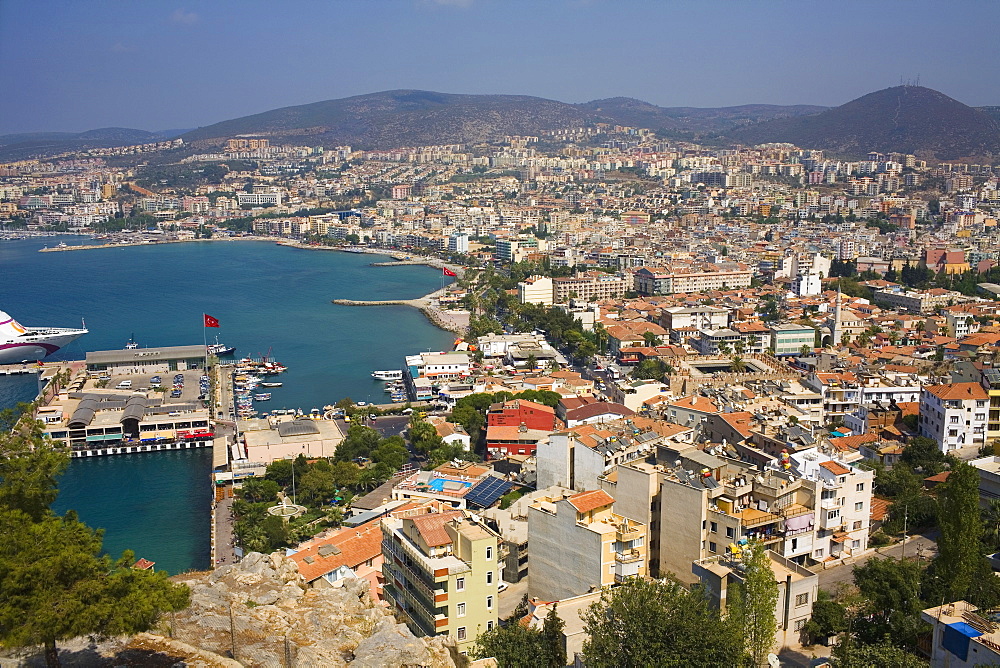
(737, 365)
(991, 524)
(724, 348)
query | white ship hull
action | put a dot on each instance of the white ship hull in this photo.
(31, 344)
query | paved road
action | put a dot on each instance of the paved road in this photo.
(917, 547)
(508, 599)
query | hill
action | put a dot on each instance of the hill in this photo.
(906, 119)
(29, 144)
(692, 120)
(410, 117)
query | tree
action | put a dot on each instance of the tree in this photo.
(657, 623)
(56, 581)
(828, 618)
(850, 654)
(959, 548)
(553, 645)
(892, 603)
(316, 487)
(280, 471)
(513, 646)
(259, 490)
(752, 607)
(737, 364)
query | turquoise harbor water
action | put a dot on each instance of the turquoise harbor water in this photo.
(266, 297)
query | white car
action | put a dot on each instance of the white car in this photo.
(502, 586)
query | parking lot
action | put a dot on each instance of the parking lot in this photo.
(190, 392)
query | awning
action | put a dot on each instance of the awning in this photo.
(103, 437)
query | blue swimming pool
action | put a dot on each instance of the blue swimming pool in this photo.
(437, 484)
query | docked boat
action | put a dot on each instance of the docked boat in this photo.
(218, 349)
(270, 384)
(263, 396)
(30, 344)
(395, 374)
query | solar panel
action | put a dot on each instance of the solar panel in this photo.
(486, 493)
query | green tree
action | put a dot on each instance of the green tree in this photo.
(513, 646)
(315, 487)
(828, 618)
(892, 604)
(959, 548)
(657, 623)
(56, 583)
(280, 471)
(553, 645)
(850, 654)
(753, 604)
(260, 490)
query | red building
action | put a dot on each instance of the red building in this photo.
(514, 427)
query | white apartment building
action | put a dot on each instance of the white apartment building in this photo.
(535, 290)
(954, 415)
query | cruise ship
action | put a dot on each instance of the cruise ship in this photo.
(30, 344)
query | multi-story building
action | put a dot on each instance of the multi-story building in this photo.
(807, 508)
(441, 573)
(578, 544)
(954, 415)
(259, 199)
(788, 339)
(652, 281)
(590, 286)
(698, 317)
(535, 290)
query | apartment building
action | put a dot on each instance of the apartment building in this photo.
(577, 459)
(441, 573)
(698, 317)
(651, 281)
(535, 290)
(788, 339)
(259, 199)
(589, 286)
(806, 507)
(954, 415)
(578, 544)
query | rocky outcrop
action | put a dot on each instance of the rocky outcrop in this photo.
(261, 613)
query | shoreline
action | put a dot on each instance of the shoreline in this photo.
(456, 324)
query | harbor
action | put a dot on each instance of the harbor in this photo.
(330, 352)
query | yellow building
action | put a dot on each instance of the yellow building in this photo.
(442, 570)
(578, 543)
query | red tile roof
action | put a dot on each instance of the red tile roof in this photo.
(959, 391)
(431, 527)
(587, 501)
(835, 468)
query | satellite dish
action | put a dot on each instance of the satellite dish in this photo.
(772, 660)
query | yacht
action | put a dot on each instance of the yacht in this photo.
(396, 374)
(31, 344)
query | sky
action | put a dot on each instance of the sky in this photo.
(73, 65)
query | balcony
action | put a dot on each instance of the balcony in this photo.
(628, 556)
(423, 622)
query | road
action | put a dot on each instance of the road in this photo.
(919, 547)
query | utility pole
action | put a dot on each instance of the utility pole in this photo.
(906, 513)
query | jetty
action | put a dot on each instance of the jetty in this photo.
(18, 369)
(457, 322)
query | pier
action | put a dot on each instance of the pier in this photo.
(18, 369)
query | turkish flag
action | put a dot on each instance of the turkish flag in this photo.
(448, 272)
(210, 321)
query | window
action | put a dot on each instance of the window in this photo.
(461, 633)
(459, 584)
(799, 623)
(460, 609)
(715, 527)
(953, 419)
(855, 544)
(860, 487)
(489, 554)
(833, 514)
(953, 432)
(712, 547)
(489, 577)
(819, 553)
(802, 599)
(857, 525)
(489, 602)
(489, 625)
(730, 532)
(859, 506)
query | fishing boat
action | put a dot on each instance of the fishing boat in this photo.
(270, 384)
(263, 396)
(218, 349)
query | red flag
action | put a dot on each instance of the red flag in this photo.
(210, 321)
(448, 272)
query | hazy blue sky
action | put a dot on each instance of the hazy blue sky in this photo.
(82, 64)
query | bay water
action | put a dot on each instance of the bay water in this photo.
(269, 300)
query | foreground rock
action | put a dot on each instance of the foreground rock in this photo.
(260, 613)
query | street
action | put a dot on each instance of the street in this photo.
(917, 547)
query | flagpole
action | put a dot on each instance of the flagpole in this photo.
(204, 336)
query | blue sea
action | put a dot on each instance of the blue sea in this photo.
(269, 300)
